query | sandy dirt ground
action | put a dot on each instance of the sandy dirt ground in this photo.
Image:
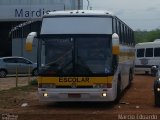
(137, 103)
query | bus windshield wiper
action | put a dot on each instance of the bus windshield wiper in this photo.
(59, 59)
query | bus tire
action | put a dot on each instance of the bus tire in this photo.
(118, 97)
(130, 78)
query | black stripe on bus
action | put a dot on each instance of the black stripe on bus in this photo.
(143, 66)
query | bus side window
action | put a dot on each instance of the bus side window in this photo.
(114, 25)
(149, 52)
(156, 52)
(140, 52)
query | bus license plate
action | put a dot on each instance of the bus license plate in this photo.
(74, 95)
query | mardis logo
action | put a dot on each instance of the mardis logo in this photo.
(33, 13)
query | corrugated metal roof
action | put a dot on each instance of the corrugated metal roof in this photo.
(72, 4)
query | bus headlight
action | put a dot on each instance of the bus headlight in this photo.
(158, 89)
(45, 94)
(104, 94)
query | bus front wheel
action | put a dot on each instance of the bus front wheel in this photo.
(130, 79)
(118, 97)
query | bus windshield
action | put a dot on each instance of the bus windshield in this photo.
(77, 56)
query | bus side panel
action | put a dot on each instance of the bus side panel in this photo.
(126, 64)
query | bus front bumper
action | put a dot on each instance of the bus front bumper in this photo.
(75, 95)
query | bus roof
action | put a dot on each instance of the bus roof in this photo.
(79, 13)
(148, 44)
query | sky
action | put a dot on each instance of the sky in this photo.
(138, 14)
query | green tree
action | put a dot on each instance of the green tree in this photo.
(147, 36)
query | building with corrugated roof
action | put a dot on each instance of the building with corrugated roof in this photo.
(15, 12)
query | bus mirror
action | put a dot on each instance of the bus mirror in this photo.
(29, 41)
(115, 44)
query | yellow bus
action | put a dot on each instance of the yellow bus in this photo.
(83, 55)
